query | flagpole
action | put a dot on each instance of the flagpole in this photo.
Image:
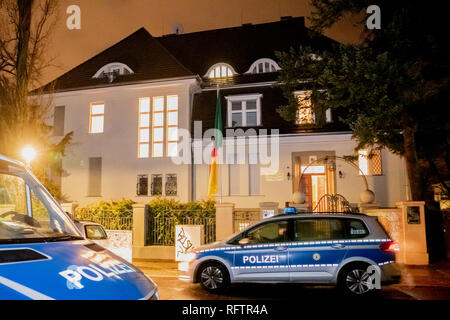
(219, 167)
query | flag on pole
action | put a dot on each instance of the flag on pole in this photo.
(213, 168)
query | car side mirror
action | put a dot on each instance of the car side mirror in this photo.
(244, 241)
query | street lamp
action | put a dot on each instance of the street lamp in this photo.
(28, 153)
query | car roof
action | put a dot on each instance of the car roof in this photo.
(86, 222)
(7, 161)
(317, 215)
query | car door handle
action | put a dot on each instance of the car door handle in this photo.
(281, 248)
(338, 246)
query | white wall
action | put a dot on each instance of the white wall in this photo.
(118, 144)
(389, 188)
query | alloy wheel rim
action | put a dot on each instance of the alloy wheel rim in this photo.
(212, 277)
(357, 281)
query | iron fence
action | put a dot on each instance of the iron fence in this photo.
(107, 220)
(161, 230)
(243, 218)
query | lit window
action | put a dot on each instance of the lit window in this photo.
(156, 184)
(220, 70)
(158, 127)
(144, 127)
(171, 184)
(370, 163)
(305, 113)
(172, 126)
(244, 111)
(263, 65)
(97, 117)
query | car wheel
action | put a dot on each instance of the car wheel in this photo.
(355, 280)
(213, 277)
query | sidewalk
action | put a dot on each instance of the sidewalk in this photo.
(159, 268)
(431, 282)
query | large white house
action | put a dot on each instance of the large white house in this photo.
(127, 104)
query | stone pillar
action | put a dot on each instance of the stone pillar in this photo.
(268, 209)
(414, 249)
(224, 220)
(139, 225)
(69, 208)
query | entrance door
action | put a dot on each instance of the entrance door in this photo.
(314, 184)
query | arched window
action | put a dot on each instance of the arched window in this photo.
(114, 68)
(220, 70)
(263, 65)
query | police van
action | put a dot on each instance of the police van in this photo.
(44, 256)
(352, 251)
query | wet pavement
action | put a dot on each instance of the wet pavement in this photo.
(430, 282)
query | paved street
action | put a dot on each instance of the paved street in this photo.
(418, 283)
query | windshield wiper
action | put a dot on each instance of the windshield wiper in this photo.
(62, 238)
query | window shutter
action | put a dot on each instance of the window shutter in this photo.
(95, 177)
(58, 120)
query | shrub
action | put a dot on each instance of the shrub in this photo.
(164, 214)
(167, 208)
(121, 208)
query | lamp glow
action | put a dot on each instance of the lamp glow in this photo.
(28, 153)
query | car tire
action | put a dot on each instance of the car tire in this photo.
(213, 276)
(352, 280)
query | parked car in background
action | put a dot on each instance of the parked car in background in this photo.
(347, 250)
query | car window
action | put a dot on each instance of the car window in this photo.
(319, 229)
(26, 214)
(276, 231)
(357, 228)
(95, 232)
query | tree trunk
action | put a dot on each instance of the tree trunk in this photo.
(415, 176)
(23, 40)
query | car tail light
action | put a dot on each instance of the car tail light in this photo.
(389, 246)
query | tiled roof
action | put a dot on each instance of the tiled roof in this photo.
(241, 46)
(140, 51)
(192, 54)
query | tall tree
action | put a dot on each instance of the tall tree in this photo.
(392, 89)
(26, 28)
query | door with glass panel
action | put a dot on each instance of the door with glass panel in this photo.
(317, 249)
(265, 256)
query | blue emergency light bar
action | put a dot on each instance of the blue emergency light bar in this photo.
(290, 210)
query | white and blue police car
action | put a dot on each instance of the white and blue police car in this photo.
(43, 255)
(352, 251)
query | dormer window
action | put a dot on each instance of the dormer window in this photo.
(220, 70)
(112, 70)
(263, 65)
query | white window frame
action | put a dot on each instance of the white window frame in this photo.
(220, 64)
(149, 127)
(94, 115)
(244, 99)
(163, 126)
(263, 61)
(177, 126)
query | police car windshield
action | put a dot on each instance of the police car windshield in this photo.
(27, 211)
